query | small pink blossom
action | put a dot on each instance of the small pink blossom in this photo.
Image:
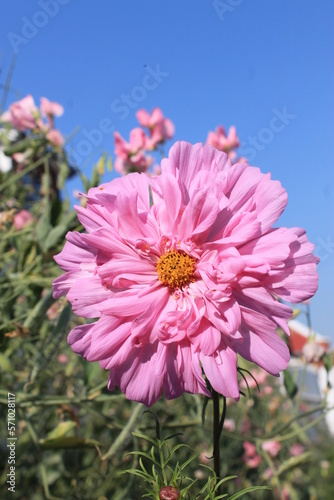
(22, 219)
(22, 114)
(297, 449)
(55, 137)
(268, 474)
(204, 457)
(250, 449)
(49, 108)
(285, 494)
(258, 377)
(313, 352)
(63, 359)
(131, 155)
(229, 424)
(253, 462)
(223, 142)
(183, 272)
(272, 447)
(160, 128)
(21, 158)
(245, 426)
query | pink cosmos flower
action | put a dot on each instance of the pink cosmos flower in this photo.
(223, 142)
(268, 474)
(253, 462)
(272, 447)
(183, 272)
(260, 377)
(50, 108)
(229, 424)
(250, 456)
(131, 155)
(313, 352)
(55, 137)
(161, 128)
(250, 449)
(22, 219)
(22, 114)
(297, 449)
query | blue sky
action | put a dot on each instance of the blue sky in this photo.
(205, 63)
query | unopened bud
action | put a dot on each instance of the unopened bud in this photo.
(169, 493)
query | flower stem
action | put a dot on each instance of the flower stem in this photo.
(218, 424)
(216, 449)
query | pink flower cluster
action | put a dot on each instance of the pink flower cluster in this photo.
(160, 128)
(183, 272)
(131, 156)
(251, 458)
(23, 219)
(24, 115)
(272, 447)
(227, 143)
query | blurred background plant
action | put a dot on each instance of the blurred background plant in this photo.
(75, 437)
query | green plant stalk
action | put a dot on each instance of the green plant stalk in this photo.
(162, 463)
(125, 432)
(17, 176)
(216, 447)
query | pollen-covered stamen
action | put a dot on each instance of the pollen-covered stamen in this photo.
(176, 269)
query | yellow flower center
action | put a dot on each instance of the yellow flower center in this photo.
(176, 269)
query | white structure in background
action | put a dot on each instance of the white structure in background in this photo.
(5, 161)
(322, 377)
(311, 377)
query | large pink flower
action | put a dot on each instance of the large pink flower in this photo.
(183, 271)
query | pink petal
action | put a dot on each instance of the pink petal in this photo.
(221, 371)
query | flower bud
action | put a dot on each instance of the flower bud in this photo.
(169, 493)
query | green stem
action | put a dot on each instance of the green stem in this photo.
(216, 448)
(125, 432)
(218, 424)
(15, 177)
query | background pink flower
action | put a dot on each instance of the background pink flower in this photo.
(183, 272)
(253, 462)
(223, 142)
(22, 114)
(50, 108)
(131, 155)
(297, 449)
(250, 449)
(22, 219)
(272, 447)
(160, 128)
(55, 137)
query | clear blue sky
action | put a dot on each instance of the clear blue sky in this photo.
(205, 63)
